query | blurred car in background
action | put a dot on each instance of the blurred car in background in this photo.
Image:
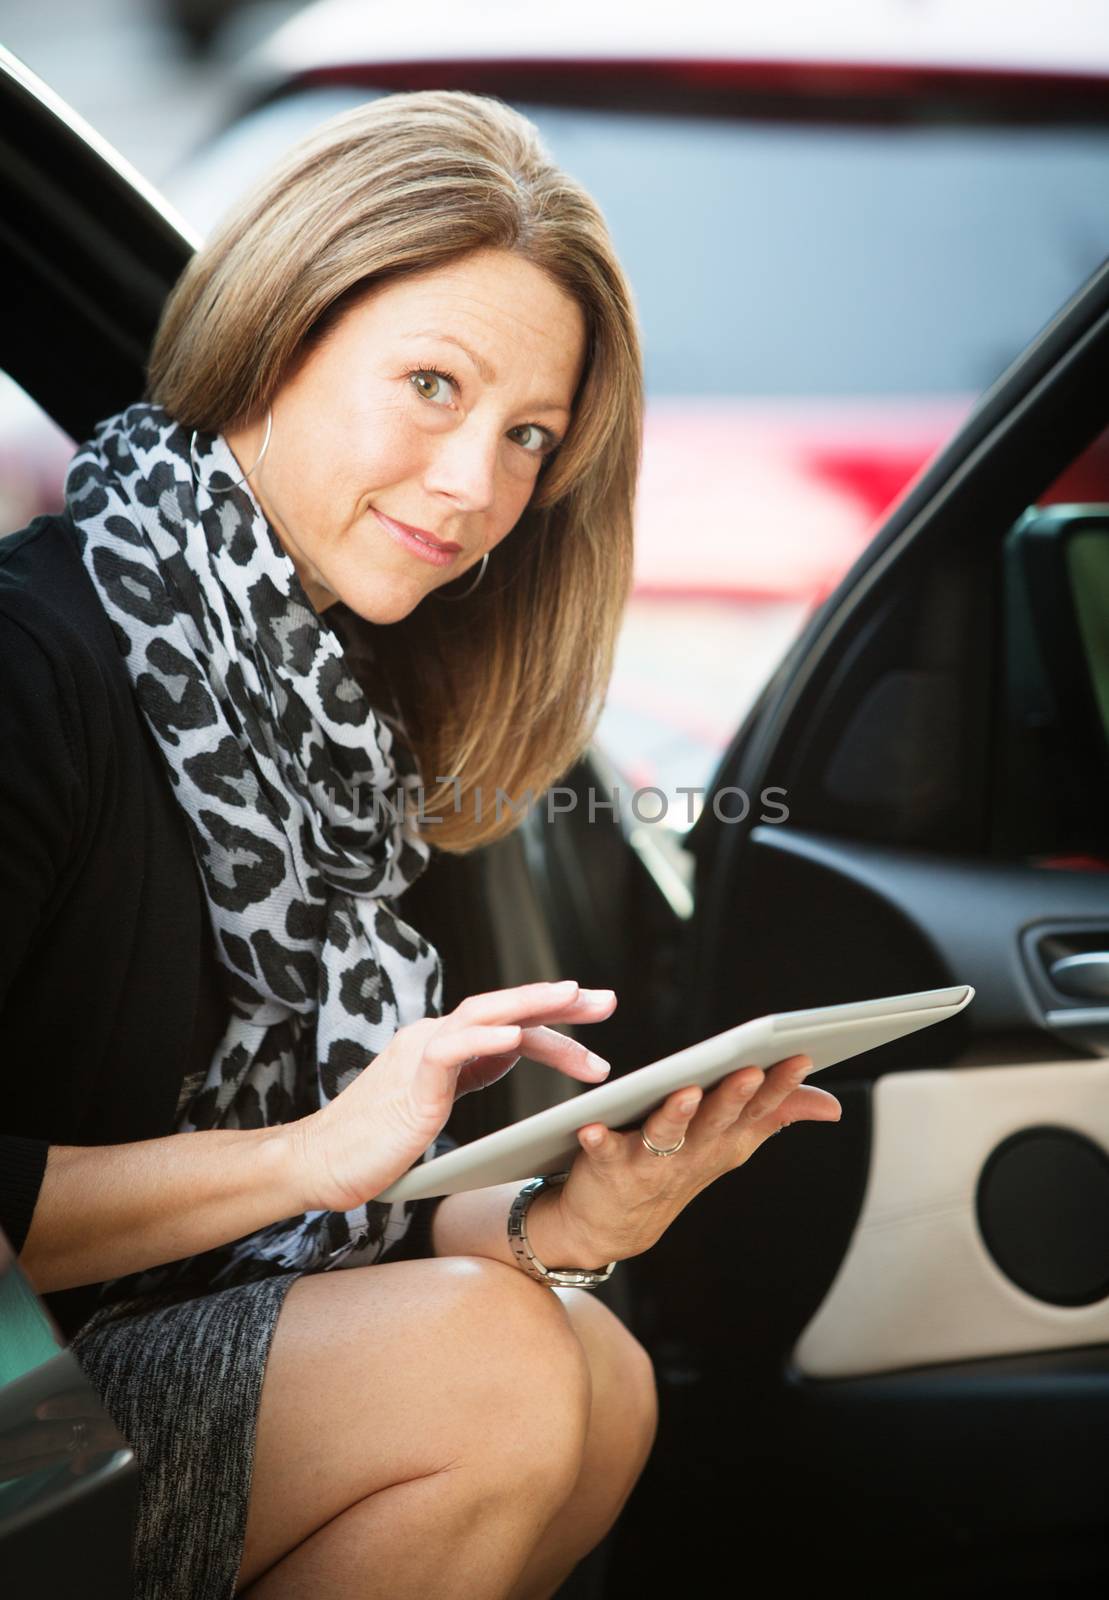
(839, 229)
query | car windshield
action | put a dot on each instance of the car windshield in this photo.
(821, 303)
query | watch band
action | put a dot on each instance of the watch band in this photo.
(555, 1277)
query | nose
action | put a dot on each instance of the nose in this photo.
(463, 467)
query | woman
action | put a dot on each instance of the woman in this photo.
(408, 358)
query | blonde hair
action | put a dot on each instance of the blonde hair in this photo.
(503, 690)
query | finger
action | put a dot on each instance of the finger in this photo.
(665, 1127)
(807, 1104)
(454, 1047)
(566, 1055)
(533, 1003)
(727, 1102)
(588, 1005)
(780, 1081)
(505, 1046)
(670, 1122)
(600, 1143)
(482, 1071)
(499, 1007)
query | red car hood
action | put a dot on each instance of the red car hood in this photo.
(772, 498)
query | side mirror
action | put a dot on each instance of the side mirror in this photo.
(1057, 625)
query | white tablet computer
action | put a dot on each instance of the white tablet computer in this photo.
(547, 1142)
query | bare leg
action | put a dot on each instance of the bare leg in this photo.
(623, 1422)
(420, 1425)
(443, 1535)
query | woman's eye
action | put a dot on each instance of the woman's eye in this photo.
(535, 439)
(431, 385)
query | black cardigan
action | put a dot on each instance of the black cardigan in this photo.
(110, 990)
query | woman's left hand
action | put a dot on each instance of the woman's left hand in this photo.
(619, 1198)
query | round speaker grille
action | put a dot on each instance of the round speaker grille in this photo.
(1043, 1208)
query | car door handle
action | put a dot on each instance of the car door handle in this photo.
(1086, 976)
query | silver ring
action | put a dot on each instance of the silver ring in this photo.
(656, 1151)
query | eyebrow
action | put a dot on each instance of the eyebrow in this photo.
(488, 375)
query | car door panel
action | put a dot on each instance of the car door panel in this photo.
(920, 1283)
(912, 915)
(837, 1288)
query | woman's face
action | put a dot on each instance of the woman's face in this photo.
(431, 403)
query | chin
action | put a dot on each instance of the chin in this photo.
(384, 601)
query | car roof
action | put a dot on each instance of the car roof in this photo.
(1068, 38)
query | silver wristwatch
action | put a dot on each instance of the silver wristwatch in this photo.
(555, 1277)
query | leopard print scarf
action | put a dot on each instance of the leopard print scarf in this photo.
(291, 784)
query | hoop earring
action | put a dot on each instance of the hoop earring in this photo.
(238, 481)
(473, 586)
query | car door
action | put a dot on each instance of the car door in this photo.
(892, 1334)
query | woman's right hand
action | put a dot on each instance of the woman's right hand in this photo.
(371, 1133)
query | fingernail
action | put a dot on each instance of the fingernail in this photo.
(564, 985)
(598, 1064)
(599, 994)
(688, 1105)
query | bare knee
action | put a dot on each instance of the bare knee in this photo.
(639, 1385)
(624, 1386)
(622, 1425)
(527, 1378)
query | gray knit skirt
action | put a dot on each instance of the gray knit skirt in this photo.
(182, 1379)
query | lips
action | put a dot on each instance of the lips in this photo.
(446, 545)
